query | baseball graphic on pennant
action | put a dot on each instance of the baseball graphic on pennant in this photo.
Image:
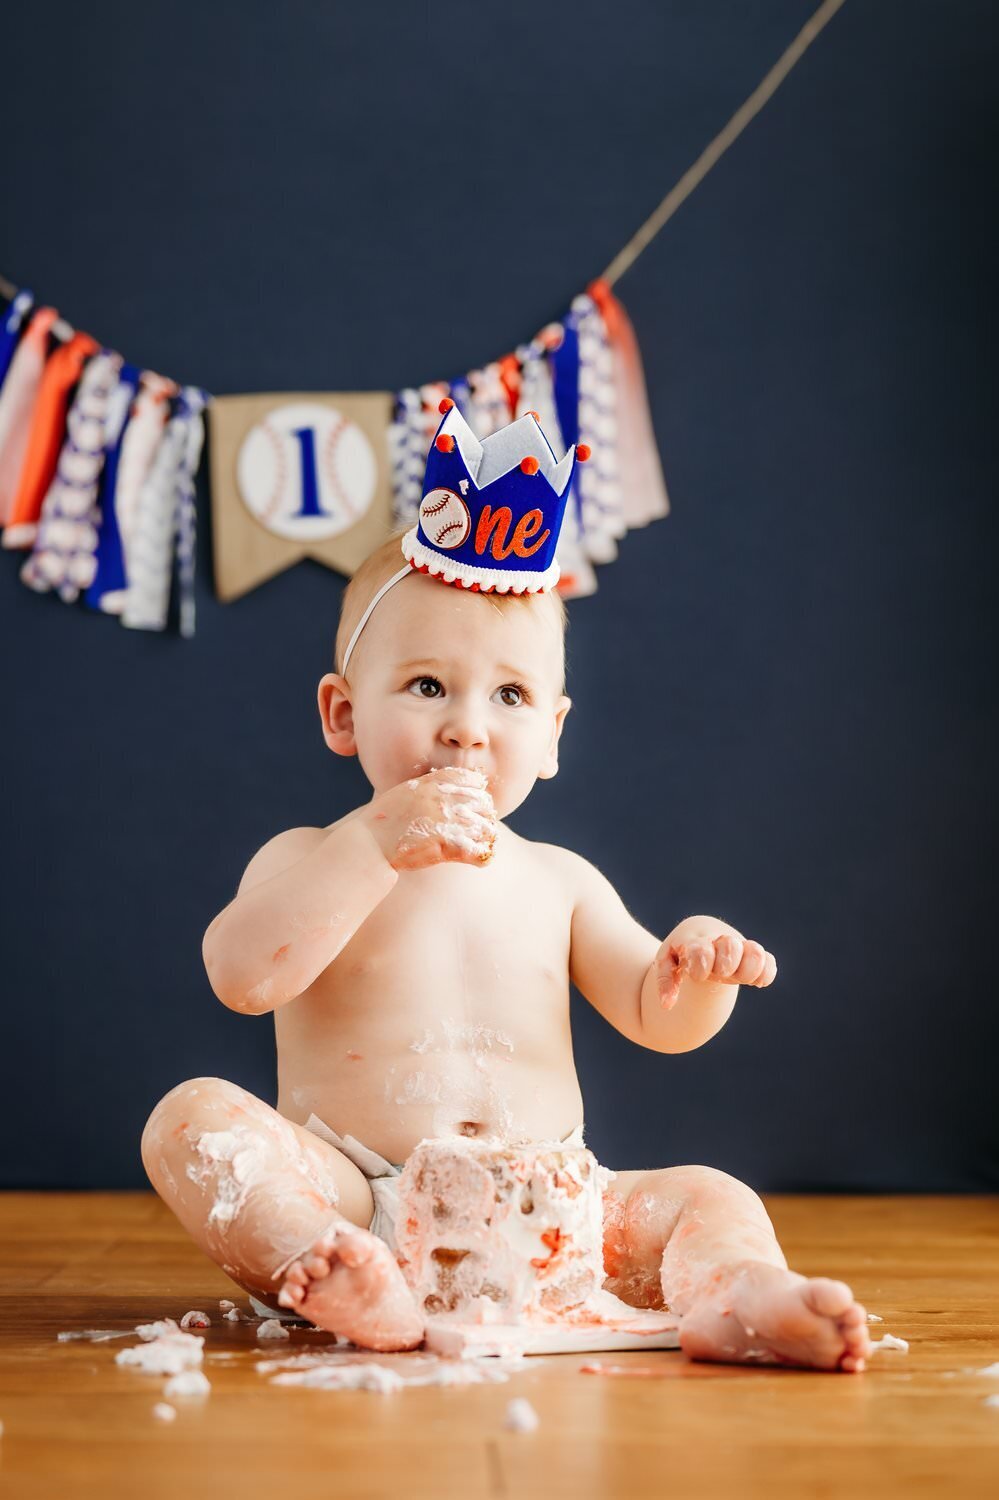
(445, 518)
(306, 472)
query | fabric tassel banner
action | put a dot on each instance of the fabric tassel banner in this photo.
(99, 457)
(97, 470)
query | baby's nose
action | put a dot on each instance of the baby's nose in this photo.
(465, 732)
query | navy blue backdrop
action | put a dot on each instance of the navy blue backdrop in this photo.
(782, 713)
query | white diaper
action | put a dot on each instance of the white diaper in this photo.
(383, 1180)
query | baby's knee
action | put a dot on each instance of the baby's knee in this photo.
(194, 1103)
(713, 1197)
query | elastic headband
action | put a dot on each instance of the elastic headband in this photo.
(402, 573)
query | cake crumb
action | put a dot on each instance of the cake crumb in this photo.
(168, 1355)
(992, 1401)
(188, 1383)
(271, 1328)
(159, 1330)
(96, 1335)
(195, 1319)
(990, 1370)
(521, 1416)
(225, 1305)
(889, 1341)
(164, 1412)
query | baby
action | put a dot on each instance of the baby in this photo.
(417, 955)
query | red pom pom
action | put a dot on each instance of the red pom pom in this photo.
(529, 465)
(582, 452)
(445, 405)
(445, 442)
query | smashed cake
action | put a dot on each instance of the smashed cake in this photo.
(501, 1234)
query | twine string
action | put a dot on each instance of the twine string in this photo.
(712, 153)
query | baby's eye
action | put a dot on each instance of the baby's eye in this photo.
(425, 687)
(512, 695)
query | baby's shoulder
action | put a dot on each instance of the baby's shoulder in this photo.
(278, 853)
(584, 884)
(556, 863)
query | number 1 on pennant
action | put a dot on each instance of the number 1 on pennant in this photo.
(310, 487)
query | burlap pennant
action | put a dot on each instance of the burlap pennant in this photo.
(297, 475)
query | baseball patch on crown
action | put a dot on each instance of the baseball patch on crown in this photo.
(445, 518)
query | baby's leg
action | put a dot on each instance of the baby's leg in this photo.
(701, 1243)
(258, 1192)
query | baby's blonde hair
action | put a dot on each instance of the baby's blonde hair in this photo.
(378, 567)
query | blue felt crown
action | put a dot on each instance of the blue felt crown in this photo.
(491, 511)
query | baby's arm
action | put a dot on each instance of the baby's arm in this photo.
(300, 901)
(626, 973)
(305, 893)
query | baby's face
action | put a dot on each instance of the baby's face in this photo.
(440, 677)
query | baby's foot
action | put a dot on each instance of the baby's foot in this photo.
(349, 1283)
(759, 1313)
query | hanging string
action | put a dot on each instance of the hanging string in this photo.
(696, 174)
(711, 154)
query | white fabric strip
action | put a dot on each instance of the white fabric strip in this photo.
(367, 613)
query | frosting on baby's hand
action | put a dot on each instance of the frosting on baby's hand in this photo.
(445, 815)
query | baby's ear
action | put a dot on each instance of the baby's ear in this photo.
(549, 766)
(337, 714)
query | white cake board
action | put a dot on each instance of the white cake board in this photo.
(615, 1327)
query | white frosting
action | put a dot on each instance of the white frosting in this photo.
(494, 1234)
(889, 1341)
(272, 1328)
(188, 1383)
(161, 1329)
(95, 1335)
(239, 1150)
(168, 1354)
(457, 835)
(384, 1373)
(521, 1416)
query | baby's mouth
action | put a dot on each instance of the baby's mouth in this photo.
(456, 763)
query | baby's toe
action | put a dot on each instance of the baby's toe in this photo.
(853, 1364)
(830, 1299)
(317, 1266)
(297, 1273)
(856, 1339)
(355, 1248)
(290, 1295)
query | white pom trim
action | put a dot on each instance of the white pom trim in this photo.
(495, 580)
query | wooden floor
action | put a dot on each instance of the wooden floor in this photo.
(916, 1424)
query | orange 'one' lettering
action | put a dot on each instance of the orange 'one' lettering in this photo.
(494, 528)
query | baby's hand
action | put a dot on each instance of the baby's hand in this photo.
(726, 959)
(445, 815)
